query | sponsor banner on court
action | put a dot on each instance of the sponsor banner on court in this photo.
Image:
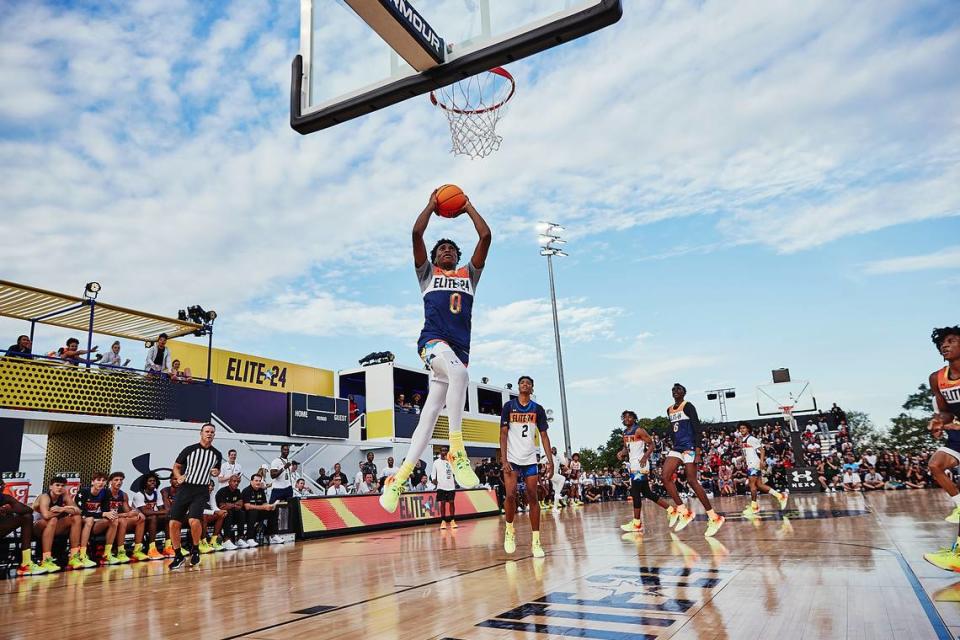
(17, 485)
(252, 372)
(802, 479)
(350, 514)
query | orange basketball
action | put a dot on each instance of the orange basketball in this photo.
(450, 200)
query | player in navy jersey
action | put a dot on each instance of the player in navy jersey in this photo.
(95, 520)
(685, 434)
(520, 420)
(444, 344)
(945, 386)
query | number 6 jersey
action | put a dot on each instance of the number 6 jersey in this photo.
(448, 306)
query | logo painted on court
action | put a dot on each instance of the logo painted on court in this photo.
(796, 514)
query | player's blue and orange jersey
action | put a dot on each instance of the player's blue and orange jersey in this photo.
(950, 390)
(448, 306)
(685, 426)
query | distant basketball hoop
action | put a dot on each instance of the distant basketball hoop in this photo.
(473, 108)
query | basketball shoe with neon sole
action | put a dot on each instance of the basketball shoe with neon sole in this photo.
(390, 498)
(713, 526)
(672, 514)
(74, 562)
(537, 549)
(122, 556)
(947, 559)
(784, 497)
(686, 517)
(749, 512)
(954, 516)
(462, 470)
(633, 527)
(153, 554)
(510, 541)
(87, 562)
(49, 566)
(32, 569)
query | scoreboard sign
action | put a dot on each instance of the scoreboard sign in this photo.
(319, 416)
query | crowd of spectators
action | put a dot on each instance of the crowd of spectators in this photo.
(158, 361)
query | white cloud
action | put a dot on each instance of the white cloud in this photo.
(948, 258)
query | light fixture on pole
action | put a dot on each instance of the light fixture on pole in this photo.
(721, 396)
(550, 243)
(91, 290)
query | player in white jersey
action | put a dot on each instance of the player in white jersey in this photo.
(520, 419)
(753, 456)
(575, 470)
(637, 447)
(444, 344)
(442, 477)
(558, 479)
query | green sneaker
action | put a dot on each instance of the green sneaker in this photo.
(205, 547)
(462, 470)
(509, 541)
(122, 557)
(75, 562)
(49, 566)
(140, 556)
(216, 546)
(87, 562)
(390, 498)
(32, 569)
(954, 516)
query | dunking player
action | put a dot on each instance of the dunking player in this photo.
(444, 344)
(518, 452)
(945, 386)
(637, 447)
(753, 455)
(685, 427)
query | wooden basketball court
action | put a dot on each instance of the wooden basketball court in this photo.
(837, 567)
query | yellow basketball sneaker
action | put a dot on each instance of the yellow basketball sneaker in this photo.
(672, 514)
(204, 547)
(714, 525)
(462, 470)
(634, 526)
(122, 556)
(32, 569)
(686, 517)
(49, 566)
(946, 559)
(140, 556)
(87, 562)
(390, 498)
(509, 541)
(537, 549)
(954, 516)
(74, 562)
(782, 500)
(750, 512)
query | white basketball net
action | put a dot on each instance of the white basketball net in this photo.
(473, 108)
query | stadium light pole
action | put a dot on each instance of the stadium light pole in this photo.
(721, 396)
(550, 242)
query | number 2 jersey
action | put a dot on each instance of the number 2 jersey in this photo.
(448, 306)
(685, 426)
(521, 422)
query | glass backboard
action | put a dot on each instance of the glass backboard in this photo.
(797, 394)
(345, 69)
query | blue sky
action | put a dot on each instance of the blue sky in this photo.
(745, 186)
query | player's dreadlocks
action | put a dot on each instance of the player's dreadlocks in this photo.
(433, 252)
(939, 335)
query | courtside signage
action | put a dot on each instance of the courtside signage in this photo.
(330, 516)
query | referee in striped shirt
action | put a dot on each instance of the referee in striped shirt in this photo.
(192, 471)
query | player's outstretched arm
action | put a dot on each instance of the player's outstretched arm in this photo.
(419, 227)
(486, 236)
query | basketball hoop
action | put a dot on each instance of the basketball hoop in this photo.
(473, 107)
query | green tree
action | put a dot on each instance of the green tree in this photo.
(588, 459)
(908, 431)
(863, 432)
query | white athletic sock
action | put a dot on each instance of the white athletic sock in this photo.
(428, 420)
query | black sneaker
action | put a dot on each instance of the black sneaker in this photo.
(194, 557)
(178, 561)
